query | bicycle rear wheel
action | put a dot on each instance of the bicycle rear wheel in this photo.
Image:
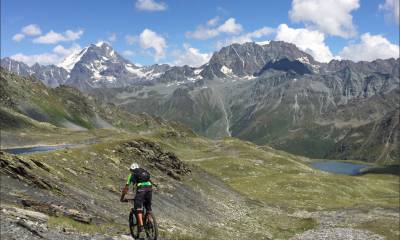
(151, 228)
(133, 226)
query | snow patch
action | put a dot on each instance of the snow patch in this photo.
(305, 60)
(69, 62)
(249, 77)
(296, 105)
(99, 44)
(197, 71)
(137, 71)
(263, 43)
(110, 78)
(226, 70)
(176, 83)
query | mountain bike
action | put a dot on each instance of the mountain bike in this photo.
(149, 224)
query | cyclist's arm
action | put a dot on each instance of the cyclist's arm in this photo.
(126, 188)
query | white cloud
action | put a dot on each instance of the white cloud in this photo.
(54, 37)
(247, 37)
(31, 30)
(202, 33)
(18, 37)
(44, 59)
(229, 26)
(56, 56)
(191, 56)
(112, 37)
(329, 16)
(64, 52)
(130, 40)
(370, 48)
(213, 21)
(150, 39)
(310, 41)
(150, 5)
(128, 53)
(391, 9)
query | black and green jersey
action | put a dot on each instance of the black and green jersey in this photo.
(140, 177)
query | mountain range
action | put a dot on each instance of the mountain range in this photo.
(272, 94)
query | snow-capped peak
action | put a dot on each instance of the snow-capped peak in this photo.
(100, 43)
(69, 62)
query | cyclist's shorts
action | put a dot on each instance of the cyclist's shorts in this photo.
(143, 198)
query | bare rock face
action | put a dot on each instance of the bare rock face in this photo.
(22, 169)
(152, 153)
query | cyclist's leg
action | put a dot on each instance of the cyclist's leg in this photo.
(147, 203)
(138, 204)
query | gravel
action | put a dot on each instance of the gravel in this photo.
(337, 234)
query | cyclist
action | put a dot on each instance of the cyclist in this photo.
(141, 178)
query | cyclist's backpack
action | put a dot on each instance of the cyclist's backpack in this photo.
(142, 175)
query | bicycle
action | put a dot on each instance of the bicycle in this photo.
(149, 224)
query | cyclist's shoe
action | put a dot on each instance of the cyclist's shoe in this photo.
(141, 235)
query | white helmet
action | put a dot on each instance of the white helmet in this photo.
(134, 166)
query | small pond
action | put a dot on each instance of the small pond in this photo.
(340, 167)
(26, 150)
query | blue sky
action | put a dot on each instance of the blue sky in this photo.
(188, 31)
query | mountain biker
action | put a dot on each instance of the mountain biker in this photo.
(141, 178)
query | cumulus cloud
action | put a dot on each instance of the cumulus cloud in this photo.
(54, 37)
(329, 16)
(230, 26)
(191, 56)
(247, 37)
(28, 30)
(31, 30)
(391, 9)
(18, 37)
(150, 5)
(63, 52)
(43, 59)
(370, 48)
(202, 32)
(56, 56)
(213, 21)
(128, 53)
(150, 39)
(310, 41)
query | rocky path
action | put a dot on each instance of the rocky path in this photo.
(342, 224)
(337, 234)
(22, 224)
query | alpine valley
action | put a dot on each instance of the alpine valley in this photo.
(270, 94)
